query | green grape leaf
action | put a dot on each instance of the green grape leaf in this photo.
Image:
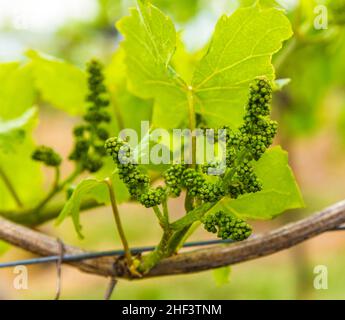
(17, 92)
(185, 62)
(24, 174)
(61, 84)
(12, 132)
(90, 188)
(149, 44)
(221, 275)
(280, 190)
(128, 108)
(241, 49)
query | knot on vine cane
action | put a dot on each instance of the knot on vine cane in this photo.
(122, 267)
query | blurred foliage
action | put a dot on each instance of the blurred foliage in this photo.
(222, 276)
(313, 59)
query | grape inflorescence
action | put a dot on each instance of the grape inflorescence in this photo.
(46, 155)
(227, 226)
(137, 182)
(90, 136)
(244, 146)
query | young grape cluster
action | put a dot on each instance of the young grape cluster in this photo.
(196, 184)
(46, 155)
(258, 131)
(152, 197)
(244, 146)
(90, 136)
(137, 182)
(227, 226)
(251, 140)
(173, 179)
(244, 180)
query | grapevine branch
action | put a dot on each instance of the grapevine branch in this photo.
(193, 261)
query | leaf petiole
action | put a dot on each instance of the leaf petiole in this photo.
(57, 187)
(10, 188)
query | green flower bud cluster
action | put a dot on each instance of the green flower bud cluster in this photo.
(197, 186)
(153, 197)
(227, 226)
(211, 191)
(258, 131)
(245, 181)
(213, 168)
(137, 182)
(251, 140)
(173, 179)
(98, 97)
(46, 155)
(90, 137)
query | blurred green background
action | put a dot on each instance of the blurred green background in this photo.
(311, 112)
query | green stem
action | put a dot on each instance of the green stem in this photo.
(165, 211)
(173, 236)
(188, 202)
(56, 178)
(118, 222)
(30, 218)
(192, 216)
(152, 259)
(175, 240)
(57, 187)
(10, 188)
(159, 216)
(180, 237)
